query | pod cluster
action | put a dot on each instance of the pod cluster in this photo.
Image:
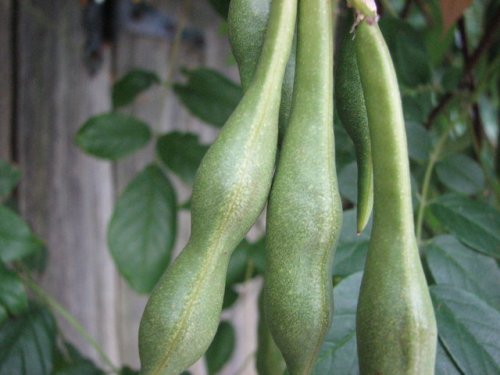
(285, 54)
(229, 193)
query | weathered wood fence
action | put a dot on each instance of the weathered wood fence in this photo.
(46, 93)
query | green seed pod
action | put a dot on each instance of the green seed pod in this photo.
(304, 213)
(247, 22)
(351, 108)
(396, 327)
(269, 360)
(230, 190)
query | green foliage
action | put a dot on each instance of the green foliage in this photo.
(112, 135)
(469, 329)
(407, 51)
(28, 343)
(13, 299)
(131, 85)
(461, 174)
(68, 361)
(246, 262)
(128, 371)
(351, 249)
(181, 153)
(419, 142)
(16, 239)
(142, 230)
(444, 364)
(473, 222)
(221, 6)
(9, 178)
(209, 95)
(338, 354)
(348, 182)
(452, 263)
(221, 348)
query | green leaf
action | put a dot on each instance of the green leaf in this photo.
(350, 258)
(221, 348)
(348, 232)
(142, 230)
(338, 354)
(451, 263)
(131, 85)
(416, 106)
(408, 51)
(16, 239)
(419, 142)
(469, 329)
(181, 153)
(9, 178)
(230, 297)
(71, 362)
(451, 78)
(348, 182)
(444, 364)
(246, 261)
(27, 343)
(258, 255)
(438, 40)
(474, 223)
(460, 144)
(352, 248)
(13, 299)
(112, 135)
(344, 148)
(209, 95)
(238, 263)
(461, 174)
(128, 371)
(38, 260)
(79, 368)
(221, 6)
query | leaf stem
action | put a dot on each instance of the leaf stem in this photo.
(433, 158)
(66, 315)
(174, 51)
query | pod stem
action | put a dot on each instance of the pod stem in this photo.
(365, 10)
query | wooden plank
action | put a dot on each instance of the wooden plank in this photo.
(6, 88)
(64, 194)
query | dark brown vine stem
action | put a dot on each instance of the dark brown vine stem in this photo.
(470, 62)
(406, 9)
(469, 82)
(424, 8)
(485, 43)
(380, 7)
